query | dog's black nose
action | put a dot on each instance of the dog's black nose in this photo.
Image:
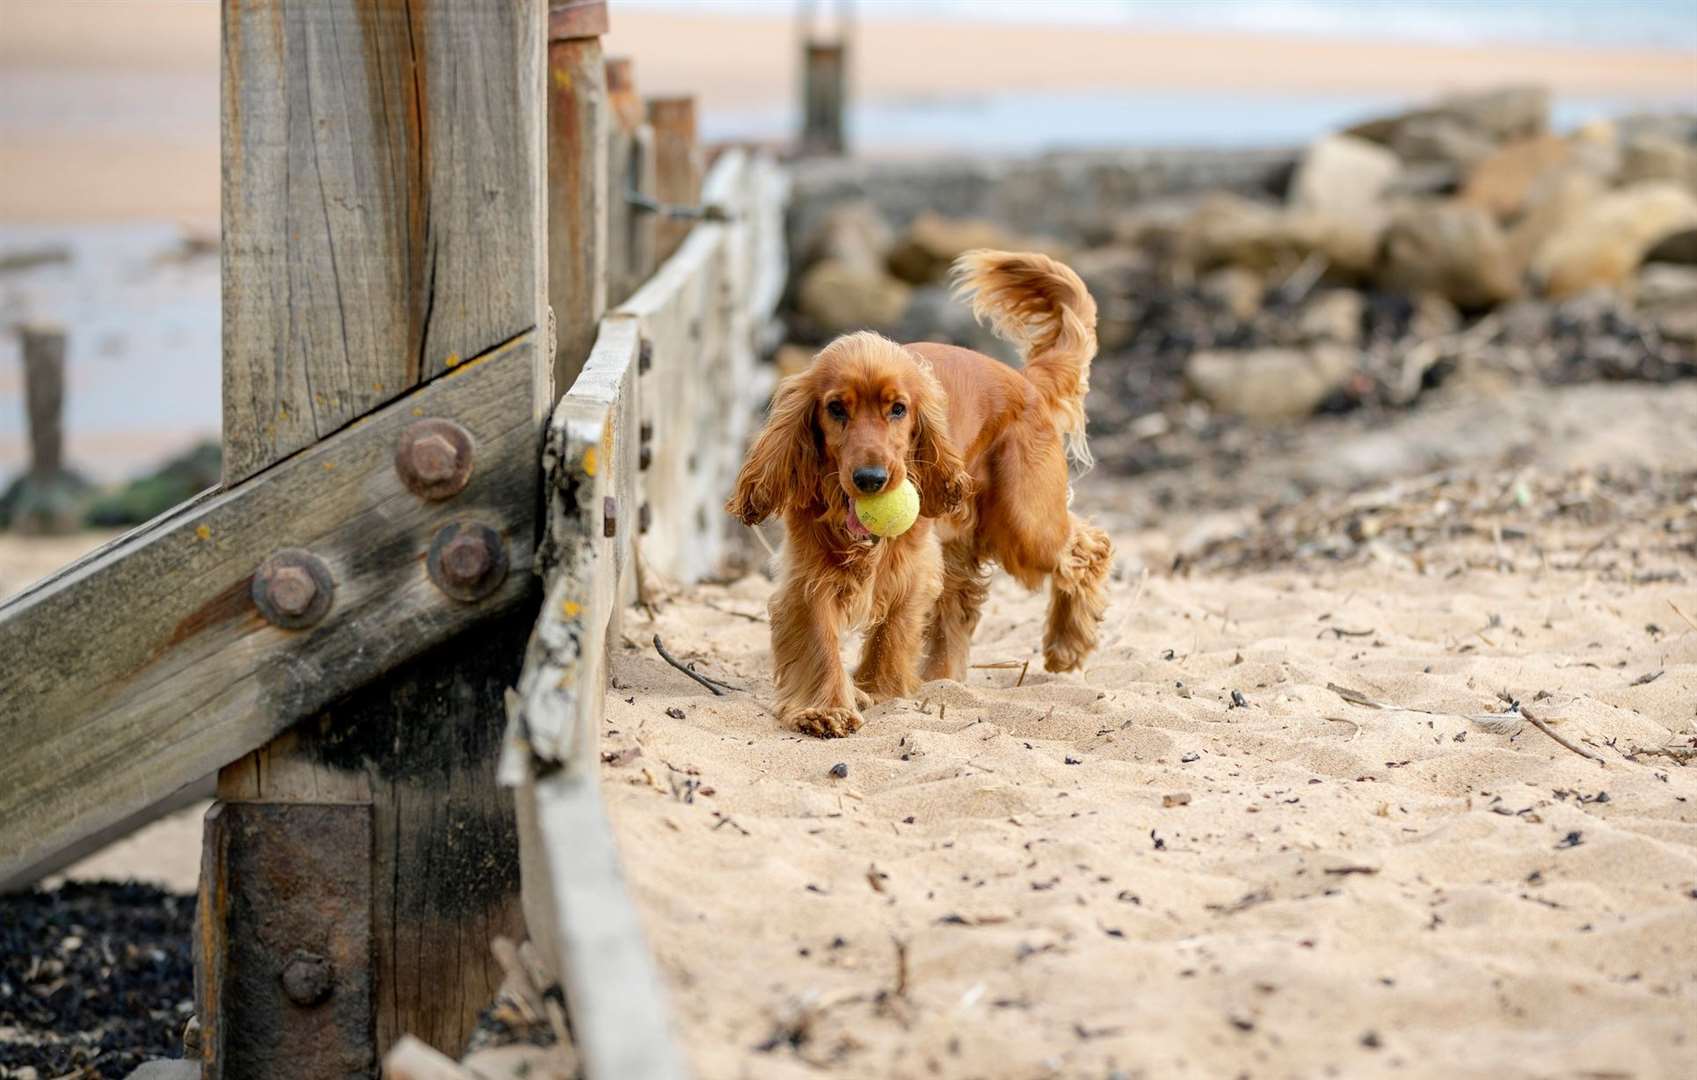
(871, 481)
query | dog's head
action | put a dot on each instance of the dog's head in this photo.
(865, 416)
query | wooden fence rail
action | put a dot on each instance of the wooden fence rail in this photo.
(695, 323)
(334, 632)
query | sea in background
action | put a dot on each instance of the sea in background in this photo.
(1603, 23)
(1023, 120)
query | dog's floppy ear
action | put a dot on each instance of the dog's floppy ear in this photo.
(782, 470)
(936, 466)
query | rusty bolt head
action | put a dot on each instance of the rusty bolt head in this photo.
(307, 979)
(468, 561)
(434, 458)
(293, 589)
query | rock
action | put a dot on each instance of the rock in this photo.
(1426, 179)
(1341, 174)
(1270, 384)
(1502, 181)
(1452, 249)
(1441, 140)
(1433, 317)
(1509, 112)
(1227, 230)
(1234, 290)
(852, 232)
(1680, 247)
(839, 296)
(1664, 287)
(933, 242)
(1334, 315)
(1554, 202)
(1656, 157)
(1606, 243)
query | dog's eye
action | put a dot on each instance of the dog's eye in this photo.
(897, 411)
(836, 411)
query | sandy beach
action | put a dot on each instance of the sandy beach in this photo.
(1270, 830)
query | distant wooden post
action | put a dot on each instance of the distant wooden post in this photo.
(47, 499)
(356, 868)
(677, 164)
(44, 388)
(631, 230)
(577, 180)
(824, 97)
(824, 80)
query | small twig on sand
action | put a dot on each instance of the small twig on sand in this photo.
(1516, 708)
(715, 687)
(1682, 615)
(1681, 754)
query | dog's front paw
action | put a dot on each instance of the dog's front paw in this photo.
(827, 723)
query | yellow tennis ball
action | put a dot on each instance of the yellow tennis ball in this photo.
(890, 512)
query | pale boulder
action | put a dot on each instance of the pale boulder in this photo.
(1452, 249)
(1341, 174)
(1654, 156)
(1604, 245)
(840, 296)
(1270, 385)
(1502, 181)
(933, 242)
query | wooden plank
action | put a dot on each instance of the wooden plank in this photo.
(178, 674)
(577, 907)
(181, 799)
(577, 198)
(824, 66)
(381, 213)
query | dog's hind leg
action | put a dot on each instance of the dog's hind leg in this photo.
(948, 639)
(1078, 595)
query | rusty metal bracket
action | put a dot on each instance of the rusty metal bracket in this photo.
(284, 979)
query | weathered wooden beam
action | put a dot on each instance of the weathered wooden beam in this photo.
(677, 165)
(578, 910)
(381, 217)
(420, 243)
(577, 180)
(176, 670)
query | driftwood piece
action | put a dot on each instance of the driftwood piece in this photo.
(177, 673)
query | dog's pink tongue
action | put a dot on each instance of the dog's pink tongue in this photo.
(855, 528)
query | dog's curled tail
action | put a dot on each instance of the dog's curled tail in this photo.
(1041, 306)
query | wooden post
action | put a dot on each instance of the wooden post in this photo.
(824, 96)
(631, 231)
(44, 387)
(577, 180)
(357, 867)
(47, 499)
(677, 164)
